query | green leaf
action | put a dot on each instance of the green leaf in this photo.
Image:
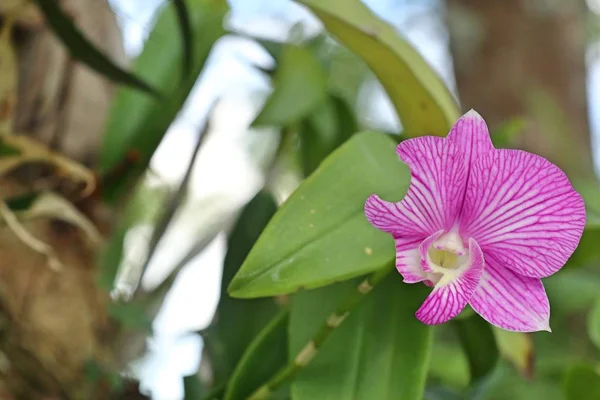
(137, 123)
(193, 388)
(442, 393)
(582, 382)
(479, 344)
(320, 235)
(186, 36)
(237, 322)
(324, 130)
(423, 103)
(300, 86)
(449, 365)
(263, 358)
(594, 323)
(81, 49)
(380, 352)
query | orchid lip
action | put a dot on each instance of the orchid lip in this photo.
(447, 253)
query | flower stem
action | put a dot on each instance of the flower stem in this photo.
(308, 352)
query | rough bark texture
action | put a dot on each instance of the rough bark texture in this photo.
(526, 58)
(53, 322)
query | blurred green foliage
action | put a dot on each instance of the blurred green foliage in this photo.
(308, 251)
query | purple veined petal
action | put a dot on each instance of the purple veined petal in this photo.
(388, 217)
(454, 290)
(424, 247)
(470, 134)
(437, 185)
(511, 301)
(408, 261)
(523, 211)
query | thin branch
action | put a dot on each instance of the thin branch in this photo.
(309, 351)
(173, 203)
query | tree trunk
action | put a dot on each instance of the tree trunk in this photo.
(53, 321)
(526, 58)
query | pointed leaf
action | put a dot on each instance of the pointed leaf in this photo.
(299, 87)
(137, 123)
(320, 235)
(186, 36)
(479, 344)
(582, 382)
(263, 358)
(593, 323)
(83, 50)
(324, 130)
(193, 388)
(423, 103)
(380, 352)
(237, 322)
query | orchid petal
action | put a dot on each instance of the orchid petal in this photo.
(471, 136)
(424, 248)
(523, 211)
(409, 259)
(408, 262)
(511, 301)
(388, 217)
(438, 182)
(452, 293)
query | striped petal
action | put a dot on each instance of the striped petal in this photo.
(410, 259)
(437, 186)
(470, 134)
(454, 290)
(388, 217)
(511, 301)
(408, 262)
(523, 211)
(424, 248)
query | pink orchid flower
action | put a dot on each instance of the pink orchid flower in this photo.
(481, 226)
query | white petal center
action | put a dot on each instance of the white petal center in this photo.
(447, 256)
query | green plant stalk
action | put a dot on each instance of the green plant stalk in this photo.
(310, 350)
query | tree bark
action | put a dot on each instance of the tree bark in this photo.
(54, 322)
(526, 58)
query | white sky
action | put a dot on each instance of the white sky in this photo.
(227, 174)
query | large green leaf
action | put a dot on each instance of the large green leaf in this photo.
(424, 104)
(324, 130)
(320, 235)
(582, 382)
(193, 388)
(263, 358)
(300, 86)
(237, 322)
(380, 352)
(479, 344)
(594, 323)
(81, 49)
(137, 123)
